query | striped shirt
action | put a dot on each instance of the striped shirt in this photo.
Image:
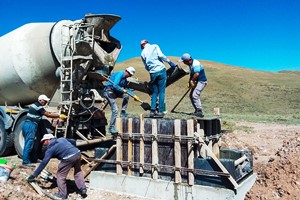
(36, 112)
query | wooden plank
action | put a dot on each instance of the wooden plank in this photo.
(216, 148)
(142, 145)
(119, 156)
(154, 150)
(130, 147)
(190, 132)
(177, 150)
(220, 165)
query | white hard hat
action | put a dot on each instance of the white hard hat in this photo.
(130, 70)
(43, 97)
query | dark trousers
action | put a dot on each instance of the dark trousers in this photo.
(62, 172)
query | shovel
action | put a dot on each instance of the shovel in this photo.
(144, 105)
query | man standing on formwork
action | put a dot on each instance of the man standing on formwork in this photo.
(197, 82)
(116, 87)
(153, 59)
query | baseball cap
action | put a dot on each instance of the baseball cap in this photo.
(43, 97)
(130, 70)
(47, 137)
(185, 57)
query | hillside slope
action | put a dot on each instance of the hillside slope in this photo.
(239, 92)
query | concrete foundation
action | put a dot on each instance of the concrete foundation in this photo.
(167, 190)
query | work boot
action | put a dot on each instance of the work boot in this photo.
(152, 113)
(199, 113)
(123, 114)
(83, 192)
(59, 196)
(113, 131)
(159, 114)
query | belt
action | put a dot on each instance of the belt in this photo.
(70, 156)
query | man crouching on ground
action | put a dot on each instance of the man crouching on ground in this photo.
(70, 157)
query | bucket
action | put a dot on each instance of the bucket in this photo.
(5, 171)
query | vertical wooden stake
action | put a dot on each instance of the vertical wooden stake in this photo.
(154, 150)
(130, 147)
(142, 144)
(177, 150)
(190, 132)
(119, 146)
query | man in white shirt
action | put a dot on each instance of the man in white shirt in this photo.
(153, 59)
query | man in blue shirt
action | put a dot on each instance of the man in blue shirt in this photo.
(153, 59)
(197, 82)
(66, 151)
(116, 87)
(35, 113)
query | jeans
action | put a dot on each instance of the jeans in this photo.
(62, 172)
(158, 83)
(28, 130)
(195, 95)
(111, 98)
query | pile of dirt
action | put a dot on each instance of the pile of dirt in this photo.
(280, 177)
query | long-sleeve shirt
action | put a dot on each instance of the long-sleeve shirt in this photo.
(153, 58)
(119, 82)
(60, 148)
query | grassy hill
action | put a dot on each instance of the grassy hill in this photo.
(240, 93)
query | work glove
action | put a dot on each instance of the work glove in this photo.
(172, 64)
(63, 116)
(31, 179)
(191, 84)
(136, 98)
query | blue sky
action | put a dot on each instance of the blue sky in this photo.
(257, 34)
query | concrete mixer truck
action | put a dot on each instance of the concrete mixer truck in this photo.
(43, 58)
(60, 60)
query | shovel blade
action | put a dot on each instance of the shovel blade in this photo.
(146, 106)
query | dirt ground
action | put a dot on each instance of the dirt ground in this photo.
(276, 150)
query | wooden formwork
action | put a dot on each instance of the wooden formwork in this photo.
(164, 149)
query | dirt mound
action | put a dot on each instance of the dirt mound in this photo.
(280, 177)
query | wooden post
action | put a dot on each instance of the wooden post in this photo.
(217, 112)
(154, 150)
(190, 132)
(177, 150)
(130, 148)
(119, 146)
(142, 144)
(215, 147)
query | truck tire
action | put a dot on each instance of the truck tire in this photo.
(18, 136)
(6, 141)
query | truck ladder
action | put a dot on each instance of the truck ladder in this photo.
(74, 33)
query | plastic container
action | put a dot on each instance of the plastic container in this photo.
(3, 161)
(5, 171)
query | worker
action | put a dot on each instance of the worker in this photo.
(153, 59)
(35, 113)
(70, 157)
(197, 82)
(116, 87)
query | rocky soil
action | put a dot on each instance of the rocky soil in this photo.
(276, 150)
